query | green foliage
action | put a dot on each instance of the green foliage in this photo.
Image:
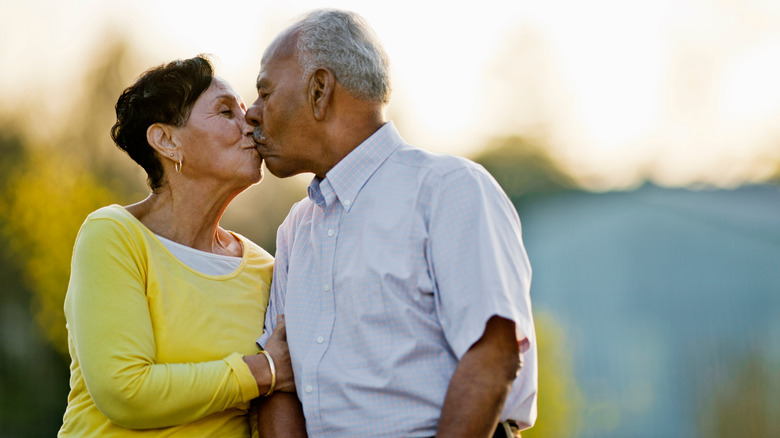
(33, 377)
(560, 401)
(50, 198)
(524, 168)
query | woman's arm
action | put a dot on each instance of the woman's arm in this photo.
(109, 321)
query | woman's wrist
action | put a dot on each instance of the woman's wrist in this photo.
(260, 368)
(272, 369)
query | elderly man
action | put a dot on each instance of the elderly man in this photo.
(402, 275)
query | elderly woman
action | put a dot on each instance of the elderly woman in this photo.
(164, 305)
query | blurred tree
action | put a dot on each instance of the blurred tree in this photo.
(59, 179)
(524, 168)
(86, 131)
(33, 377)
(560, 403)
(50, 198)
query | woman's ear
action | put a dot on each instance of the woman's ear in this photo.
(321, 85)
(160, 137)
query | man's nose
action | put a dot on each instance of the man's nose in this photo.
(253, 115)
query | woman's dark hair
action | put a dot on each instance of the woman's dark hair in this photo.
(163, 94)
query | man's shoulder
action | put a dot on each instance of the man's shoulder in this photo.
(436, 163)
(298, 211)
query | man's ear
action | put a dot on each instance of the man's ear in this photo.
(160, 137)
(321, 87)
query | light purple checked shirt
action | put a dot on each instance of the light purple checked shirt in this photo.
(387, 273)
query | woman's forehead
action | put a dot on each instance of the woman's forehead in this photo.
(220, 88)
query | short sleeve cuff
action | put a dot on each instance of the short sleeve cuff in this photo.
(262, 340)
(246, 381)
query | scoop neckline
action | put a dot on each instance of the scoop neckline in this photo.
(152, 235)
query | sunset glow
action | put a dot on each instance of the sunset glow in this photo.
(624, 81)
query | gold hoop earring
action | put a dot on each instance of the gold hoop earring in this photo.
(178, 166)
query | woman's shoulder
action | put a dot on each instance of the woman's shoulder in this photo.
(253, 249)
(110, 221)
(112, 212)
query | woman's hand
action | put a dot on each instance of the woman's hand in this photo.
(280, 354)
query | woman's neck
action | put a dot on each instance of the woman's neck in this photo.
(188, 216)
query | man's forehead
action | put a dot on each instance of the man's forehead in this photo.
(267, 71)
(281, 47)
(284, 44)
(277, 68)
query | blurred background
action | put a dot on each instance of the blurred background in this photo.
(639, 141)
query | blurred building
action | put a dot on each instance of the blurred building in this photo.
(670, 299)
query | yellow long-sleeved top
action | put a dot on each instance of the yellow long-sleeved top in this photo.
(157, 347)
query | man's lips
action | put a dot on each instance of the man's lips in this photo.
(258, 135)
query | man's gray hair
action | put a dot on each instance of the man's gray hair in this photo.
(344, 43)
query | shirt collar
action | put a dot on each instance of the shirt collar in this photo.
(344, 181)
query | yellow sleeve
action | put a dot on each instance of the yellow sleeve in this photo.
(109, 321)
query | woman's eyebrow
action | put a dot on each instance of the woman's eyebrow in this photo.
(230, 97)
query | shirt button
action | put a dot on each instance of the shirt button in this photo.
(331, 232)
(309, 388)
(327, 287)
(320, 340)
(347, 202)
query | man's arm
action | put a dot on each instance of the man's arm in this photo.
(483, 277)
(281, 415)
(481, 383)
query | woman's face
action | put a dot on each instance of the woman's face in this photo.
(216, 141)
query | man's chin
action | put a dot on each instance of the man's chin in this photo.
(277, 170)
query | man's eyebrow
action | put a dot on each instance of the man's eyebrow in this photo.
(262, 83)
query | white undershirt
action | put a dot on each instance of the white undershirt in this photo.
(202, 261)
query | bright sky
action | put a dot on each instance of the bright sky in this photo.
(689, 89)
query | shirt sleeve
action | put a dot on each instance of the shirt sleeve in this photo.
(279, 282)
(111, 328)
(479, 262)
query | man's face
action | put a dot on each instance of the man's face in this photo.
(282, 116)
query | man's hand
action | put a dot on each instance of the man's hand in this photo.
(277, 348)
(481, 382)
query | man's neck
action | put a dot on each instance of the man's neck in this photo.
(346, 137)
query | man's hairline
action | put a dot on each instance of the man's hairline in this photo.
(274, 50)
